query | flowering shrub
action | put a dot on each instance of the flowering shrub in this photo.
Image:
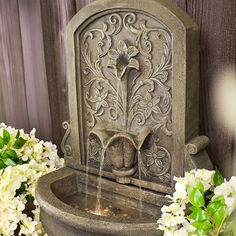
(23, 159)
(200, 205)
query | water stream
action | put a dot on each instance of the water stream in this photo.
(98, 208)
(87, 175)
(117, 104)
(140, 205)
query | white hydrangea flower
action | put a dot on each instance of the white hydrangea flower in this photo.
(231, 204)
(224, 189)
(232, 182)
(180, 191)
(173, 220)
(175, 208)
(228, 191)
(40, 158)
(168, 233)
(206, 177)
(27, 225)
(181, 232)
(167, 220)
(2, 126)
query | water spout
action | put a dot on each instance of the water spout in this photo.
(121, 147)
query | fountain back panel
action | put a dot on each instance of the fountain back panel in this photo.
(133, 77)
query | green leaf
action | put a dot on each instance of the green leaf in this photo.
(18, 134)
(219, 216)
(19, 162)
(202, 225)
(217, 211)
(199, 186)
(210, 196)
(9, 162)
(29, 198)
(4, 155)
(2, 165)
(19, 143)
(10, 153)
(193, 208)
(213, 206)
(2, 143)
(6, 136)
(21, 190)
(219, 199)
(203, 231)
(218, 178)
(196, 197)
(198, 214)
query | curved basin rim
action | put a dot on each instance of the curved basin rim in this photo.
(53, 206)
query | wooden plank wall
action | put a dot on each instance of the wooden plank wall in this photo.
(55, 16)
(33, 87)
(35, 76)
(13, 108)
(216, 20)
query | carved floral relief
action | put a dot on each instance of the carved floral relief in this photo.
(127, 82)
(122, 59)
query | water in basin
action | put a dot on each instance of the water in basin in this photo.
(109, 210)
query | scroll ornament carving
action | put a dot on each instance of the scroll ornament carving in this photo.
(65, 146)
(107, 74)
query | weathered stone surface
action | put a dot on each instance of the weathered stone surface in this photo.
(133, 94)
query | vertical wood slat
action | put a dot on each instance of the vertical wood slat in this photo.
(55, 16)
(34, 67)
(218, 36)
(13, 107)
(82, 3)
(181, 3)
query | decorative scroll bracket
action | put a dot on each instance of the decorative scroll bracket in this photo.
(196, 155)
(65, 143)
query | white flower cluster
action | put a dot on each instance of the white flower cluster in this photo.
(228, 190)
(38, 158)
(174, 221)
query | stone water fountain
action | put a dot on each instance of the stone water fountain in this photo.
(133, 77)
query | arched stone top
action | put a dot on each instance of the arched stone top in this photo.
(173, 16)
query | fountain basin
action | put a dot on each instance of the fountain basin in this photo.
(61, 195)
